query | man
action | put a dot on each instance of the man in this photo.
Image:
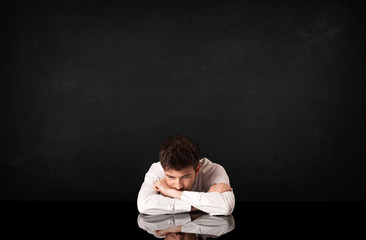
(181, 182)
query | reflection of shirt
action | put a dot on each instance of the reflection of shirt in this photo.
(205, 225)
(150, 201)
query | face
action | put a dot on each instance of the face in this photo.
(182, 179)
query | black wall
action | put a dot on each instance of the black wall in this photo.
(272, 91)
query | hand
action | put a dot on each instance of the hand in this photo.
(220, 188)
(162, 187)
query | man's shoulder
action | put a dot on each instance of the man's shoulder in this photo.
(156, 166)
(208, 166)
(211, 173)
(155, 172)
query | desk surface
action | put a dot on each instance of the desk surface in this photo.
(121, 219)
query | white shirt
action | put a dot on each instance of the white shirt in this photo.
(149, 201)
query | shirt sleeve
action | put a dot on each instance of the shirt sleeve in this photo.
(150, 201)
(213, 203)
(152, 223)
(210, 225)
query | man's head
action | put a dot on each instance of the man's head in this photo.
(179, 157)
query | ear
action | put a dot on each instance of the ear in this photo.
(198, 169)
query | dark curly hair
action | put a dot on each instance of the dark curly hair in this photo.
(178, 152)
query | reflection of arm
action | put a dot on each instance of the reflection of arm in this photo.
(213, 203)
(210, 225)
(152, 223)
(150, 201)
(204, 224)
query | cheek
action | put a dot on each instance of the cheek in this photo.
(169, 182)
(188, 182)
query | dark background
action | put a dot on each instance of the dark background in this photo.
(274, 92)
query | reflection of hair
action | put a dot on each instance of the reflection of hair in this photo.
(179, 152)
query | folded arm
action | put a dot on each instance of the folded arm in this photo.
(213, 203)
(149, 201)
(219, 200)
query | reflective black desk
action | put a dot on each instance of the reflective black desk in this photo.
(121, 220)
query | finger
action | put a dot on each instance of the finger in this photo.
(227, 188)
(157, 183)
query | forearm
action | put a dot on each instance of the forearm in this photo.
(177, 194)
(158, 204)
(150, 202)
(213, 203)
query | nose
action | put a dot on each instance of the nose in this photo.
(178, 184)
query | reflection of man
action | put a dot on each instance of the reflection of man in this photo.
(186, 225)
(181, 182)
